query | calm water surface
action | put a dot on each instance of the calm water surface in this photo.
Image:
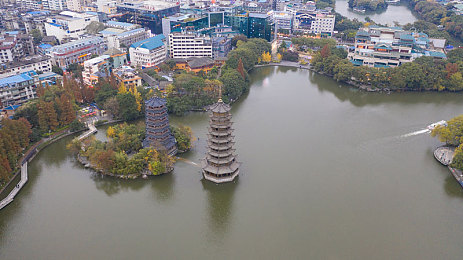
(394, 13)
(325, 175)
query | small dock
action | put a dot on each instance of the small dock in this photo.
(17, 188)
(444, 155)
(91, 130)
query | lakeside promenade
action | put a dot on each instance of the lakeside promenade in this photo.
(30, 155)
(17, 188)
(285, 64)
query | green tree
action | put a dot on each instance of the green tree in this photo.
(37, 36)
(127, 107)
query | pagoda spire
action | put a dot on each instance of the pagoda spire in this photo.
(220, 164)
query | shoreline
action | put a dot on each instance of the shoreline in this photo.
(360, 86)
(32, 152)
(86, 164)
(444, 155)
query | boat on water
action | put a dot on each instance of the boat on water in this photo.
(359, 10)
(436, 124)
(393, 2)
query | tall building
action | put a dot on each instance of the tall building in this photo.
(148, 14)
(221, 46)
(68, 24)
(260, 26)
(37, 63)
(179, 22)
(323, 24)
(17, 89)
(77, 51)
(220, 164)
(185, 45)
(55, 5)
(158, 134)
(381, 47)
(148, 53)
(282, 20)
(74, 5)
(92, 67)
(121, 39)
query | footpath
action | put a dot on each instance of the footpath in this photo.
(30, 154)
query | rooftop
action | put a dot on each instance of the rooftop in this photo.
(26, 61)
(119, 24)
(155, 102)
(150, 43)
(14, 79)
(219, 107)
(111, 31)
(197, 62)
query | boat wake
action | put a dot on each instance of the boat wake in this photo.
(424, 131)
(428, 129)
(187, 161)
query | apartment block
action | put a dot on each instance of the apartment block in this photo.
(185, 45)
(149, 52)
(76, 51)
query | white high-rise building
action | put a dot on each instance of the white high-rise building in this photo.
(323, 24)
(54, 4)
(185, 45)
(74, 5)
(149, 52)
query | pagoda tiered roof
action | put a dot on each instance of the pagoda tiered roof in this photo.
(220, 163)
(219, 107)
(155, 102)
(157, 126)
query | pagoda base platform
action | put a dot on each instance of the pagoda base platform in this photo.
(221, 179)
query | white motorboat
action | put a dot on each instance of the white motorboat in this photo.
(436, 124)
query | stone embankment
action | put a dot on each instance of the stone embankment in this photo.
(445, 155)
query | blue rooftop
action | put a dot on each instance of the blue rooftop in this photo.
(12, 107)
(45, 46)
(55, 24)
(47, 75)
(33, 13)
(14, 79)
(150, 43)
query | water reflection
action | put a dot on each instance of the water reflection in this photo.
(452, 187)
(360, 98)
(112, 185)
(220, 206)
(55, 157)
(259, 74)
(163, 187)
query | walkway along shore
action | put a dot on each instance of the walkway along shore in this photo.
(444, 155)
(290, 64)
(33, 151)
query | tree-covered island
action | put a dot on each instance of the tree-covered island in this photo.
(123, 155)
(369, 5)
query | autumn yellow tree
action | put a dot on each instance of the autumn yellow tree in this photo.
(122, 89)
(279, 57)
(266, 57)
(110, 132)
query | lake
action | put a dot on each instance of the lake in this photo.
(328, 173)
(394, 13)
